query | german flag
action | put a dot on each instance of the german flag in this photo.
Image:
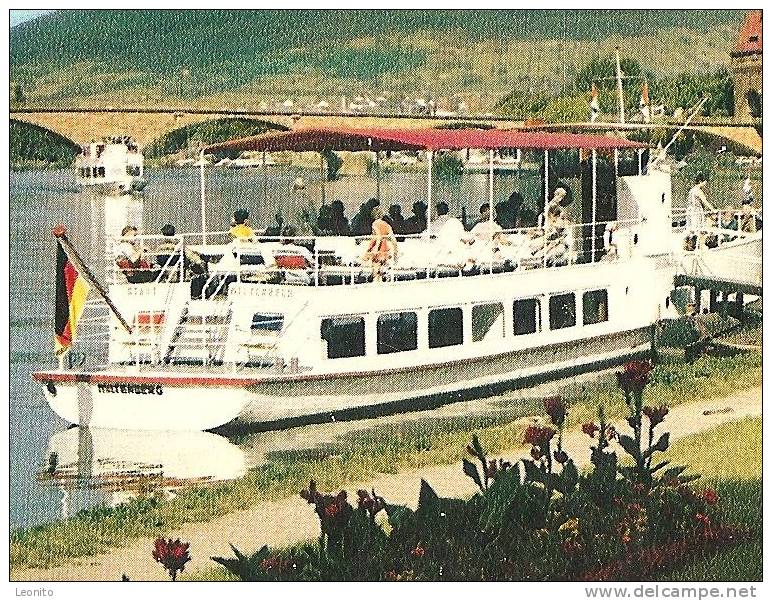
(71, 292)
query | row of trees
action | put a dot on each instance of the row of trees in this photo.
(572, 104)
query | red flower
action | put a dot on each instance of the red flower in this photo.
(703, 519)
(656, 415)
(334, 511)
(172, 555)
(419, 551)
(555, 407)
(634, 377)
(538, 435)
(560, 456)
(710, 496)
(373, 504)
(590, 429)
(611, 433)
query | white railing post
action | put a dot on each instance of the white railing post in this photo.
(594, 200)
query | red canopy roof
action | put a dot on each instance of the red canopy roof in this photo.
(419, 139)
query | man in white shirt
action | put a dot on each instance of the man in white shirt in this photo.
(442, 218)
(486, 229)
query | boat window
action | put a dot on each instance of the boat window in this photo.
(446, 327)
(487, 321)
(101, 171)
(345, 336)
(562, 311)
(397, 332)
(267, 322)
(526, 313)
(594, 306)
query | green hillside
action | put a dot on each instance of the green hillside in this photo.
(240, 57)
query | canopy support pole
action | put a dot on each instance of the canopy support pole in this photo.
(323, 175)
(640, 162)
(616, 162)
(546, 183)
(594, 199)
(203, 199)
(429, 159)
(490, 205)
(265, 181)
(378, 175)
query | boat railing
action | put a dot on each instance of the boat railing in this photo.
(701, 230)
(212, 261)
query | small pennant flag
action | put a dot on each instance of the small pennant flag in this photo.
(644, 104)
(594, 106)
(71, 292)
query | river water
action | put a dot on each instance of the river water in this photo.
(56, 470)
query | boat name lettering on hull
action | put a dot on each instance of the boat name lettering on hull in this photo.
(273, 291)
(125, 388)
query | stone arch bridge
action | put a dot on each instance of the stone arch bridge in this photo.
(147, 125)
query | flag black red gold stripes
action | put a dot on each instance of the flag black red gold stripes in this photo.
(71, 292)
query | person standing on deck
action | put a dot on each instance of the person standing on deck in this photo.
(383, 245)
(240, 229)
(696, 205)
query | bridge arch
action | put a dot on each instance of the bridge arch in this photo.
(30, 143)
(209, 131)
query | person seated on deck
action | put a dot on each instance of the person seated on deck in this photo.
(440, 220)
(168, 257)
(324, 224)
(240, 230)
(416, 223)
(484, 231)
(452, 240)
(554, 208)
(275, 229)
(340, 225)
(294, 260)
(382, 247)
(130, 260)
(362, 222)
(396, 219)
(609, 242)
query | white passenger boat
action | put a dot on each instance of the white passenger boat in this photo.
(112, 165)
(276, 335)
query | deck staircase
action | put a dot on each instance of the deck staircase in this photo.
(201, 333)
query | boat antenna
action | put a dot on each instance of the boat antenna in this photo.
(203, 198)
(619, 88)
(60, 233)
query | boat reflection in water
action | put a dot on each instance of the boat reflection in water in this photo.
(122, 464)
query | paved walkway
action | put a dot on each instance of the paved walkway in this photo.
(288, 521)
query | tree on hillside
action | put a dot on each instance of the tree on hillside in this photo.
(686, 90)
(602, 72)
(17, 94)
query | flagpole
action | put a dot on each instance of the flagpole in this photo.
(619, 90)
(60, 232)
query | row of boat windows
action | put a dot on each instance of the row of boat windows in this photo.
(85, 172)
(398, 332)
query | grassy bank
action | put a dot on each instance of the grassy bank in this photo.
(362, 455)
(729, 458)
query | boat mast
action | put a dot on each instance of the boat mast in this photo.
(429, 157)
(203, 199)
(490, 204)
(619, 89)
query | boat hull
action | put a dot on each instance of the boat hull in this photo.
(175, 401)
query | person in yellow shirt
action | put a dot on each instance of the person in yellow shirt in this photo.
(240, 229)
